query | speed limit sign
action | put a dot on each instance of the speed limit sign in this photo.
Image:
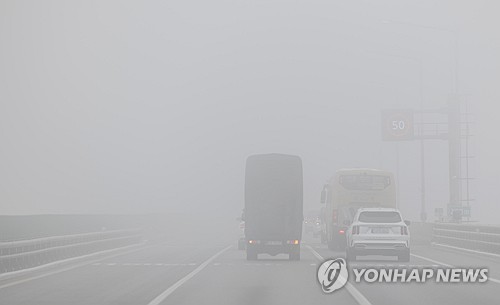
(397, 125)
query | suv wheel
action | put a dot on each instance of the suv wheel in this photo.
(404, 257)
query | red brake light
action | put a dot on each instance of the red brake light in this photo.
(341, 231)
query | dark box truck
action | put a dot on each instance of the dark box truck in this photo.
(273, 205)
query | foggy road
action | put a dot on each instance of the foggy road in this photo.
(198, 273)
(144, 143)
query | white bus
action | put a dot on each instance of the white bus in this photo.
(346, 192)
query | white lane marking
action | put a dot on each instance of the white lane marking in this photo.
(392, 266)
(466, 250)
(142, 264)
(171, 289)
(85, 263)
(358, 296)
(253, 264)
(431, 260)
(214, 264)
(449, 266)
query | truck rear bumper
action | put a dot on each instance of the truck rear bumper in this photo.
(273, 247)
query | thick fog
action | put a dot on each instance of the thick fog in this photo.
(153, 106)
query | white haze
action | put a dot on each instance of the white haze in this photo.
(153, 106)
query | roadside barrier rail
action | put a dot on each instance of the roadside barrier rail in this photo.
(472, 237)
(22, 254)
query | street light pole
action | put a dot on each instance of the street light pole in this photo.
(455, 191)
(423, 213)
(398, 196)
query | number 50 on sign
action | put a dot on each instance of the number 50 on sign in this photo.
(397, 125)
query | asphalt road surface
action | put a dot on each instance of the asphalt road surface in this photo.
(218, 273)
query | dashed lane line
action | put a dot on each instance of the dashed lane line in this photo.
(448, 265)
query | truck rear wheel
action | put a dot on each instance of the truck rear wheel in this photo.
(294, 254)
(251, 254)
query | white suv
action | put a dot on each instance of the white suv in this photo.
(378, 231)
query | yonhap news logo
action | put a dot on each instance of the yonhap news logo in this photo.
(421, 275)
(333, 275)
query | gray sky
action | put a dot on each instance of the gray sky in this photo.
(153, 106)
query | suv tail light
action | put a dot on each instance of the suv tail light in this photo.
(355, 230)
(404, 230)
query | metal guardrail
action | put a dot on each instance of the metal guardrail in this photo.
(472, 237)
(17, 255)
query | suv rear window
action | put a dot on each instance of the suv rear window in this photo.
(379, 217)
